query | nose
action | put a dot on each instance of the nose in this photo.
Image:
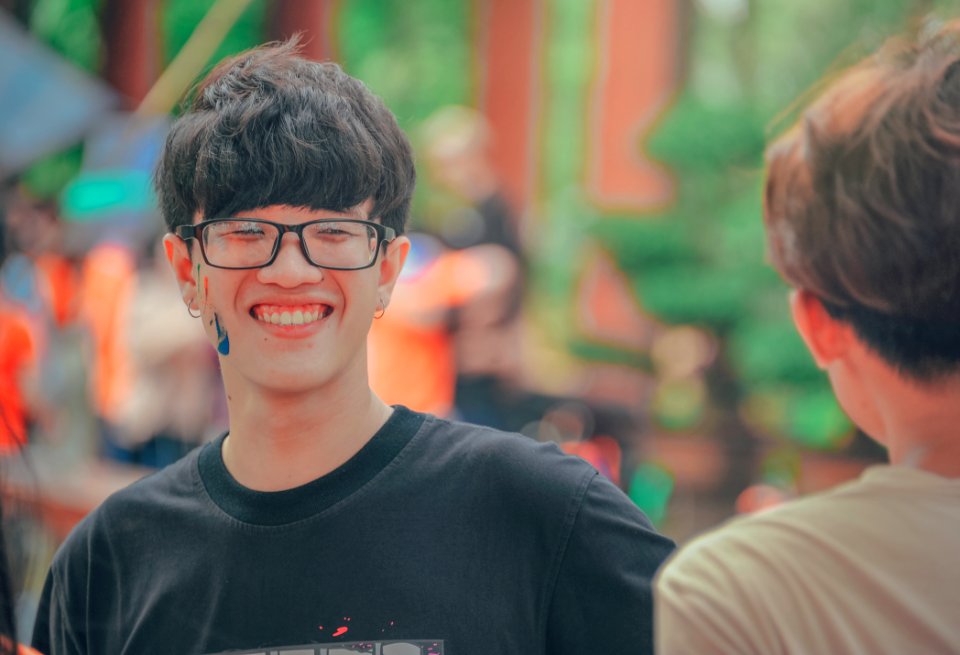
(290, 268)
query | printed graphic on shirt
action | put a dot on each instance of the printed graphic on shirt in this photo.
(392, 647)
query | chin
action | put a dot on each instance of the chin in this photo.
(281, 376)
(291, 384)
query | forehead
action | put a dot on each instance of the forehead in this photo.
(292, 215)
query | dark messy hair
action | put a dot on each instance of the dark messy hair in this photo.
(862, 202)
(269, 127)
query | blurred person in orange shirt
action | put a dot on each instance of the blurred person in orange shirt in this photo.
(412, 350)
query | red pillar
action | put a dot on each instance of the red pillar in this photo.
(509, 35)
(636, 77)
(130, 34)
(315, 19)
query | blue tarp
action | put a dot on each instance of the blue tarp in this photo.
(46, 104)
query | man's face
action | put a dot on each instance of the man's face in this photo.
(329, 311)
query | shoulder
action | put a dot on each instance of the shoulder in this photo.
(156, 490)
(763, 541)
(128, 510)
(802, 542)
(750, 563)
(529, 480)
(758, 580)
(505, 458)
(714, 593)
(481, 442)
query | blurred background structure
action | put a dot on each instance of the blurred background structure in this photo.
(587, 233)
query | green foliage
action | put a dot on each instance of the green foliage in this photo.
(567, 223)
(70, 27)
(807, 415)
(679, 405)
(569, 58)
(46, 178)
(650, 488)
(180, 17)
(414, 59)
(696, 294)
(770, 352)
(599, 352)
(697, 137)
(785, 393)
(815, 419)
(639, 244)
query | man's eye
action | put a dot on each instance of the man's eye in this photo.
(328, 231)
(244, 231)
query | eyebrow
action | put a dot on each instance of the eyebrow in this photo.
(356, 211)
(351, 212)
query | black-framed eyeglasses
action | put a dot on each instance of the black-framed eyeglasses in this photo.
(334, 243)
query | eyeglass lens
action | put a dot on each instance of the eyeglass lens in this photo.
(337, 244)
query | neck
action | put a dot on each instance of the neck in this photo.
(927, 440)
(281, 440)
(919, 424)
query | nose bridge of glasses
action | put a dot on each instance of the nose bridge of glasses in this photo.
(290, 265)
(291, 237)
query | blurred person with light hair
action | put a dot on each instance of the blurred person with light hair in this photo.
(486, 330)
(862, 211)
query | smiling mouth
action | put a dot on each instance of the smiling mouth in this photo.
(290, 314)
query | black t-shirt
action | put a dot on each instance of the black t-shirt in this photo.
(437, 537)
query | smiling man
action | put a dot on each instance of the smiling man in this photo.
(326, 521)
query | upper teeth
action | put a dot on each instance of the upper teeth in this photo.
(288, 315)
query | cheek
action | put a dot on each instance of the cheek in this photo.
(213, 322)
(361, 293)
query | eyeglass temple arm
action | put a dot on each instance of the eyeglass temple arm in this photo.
(186, 231)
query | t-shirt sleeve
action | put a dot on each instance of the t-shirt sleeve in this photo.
(53, 632)
(602, 601)
(704, 603)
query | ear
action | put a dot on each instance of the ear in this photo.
(827, 338)
(390, 266)
(178, 255)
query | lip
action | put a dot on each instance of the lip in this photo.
(284, 313)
